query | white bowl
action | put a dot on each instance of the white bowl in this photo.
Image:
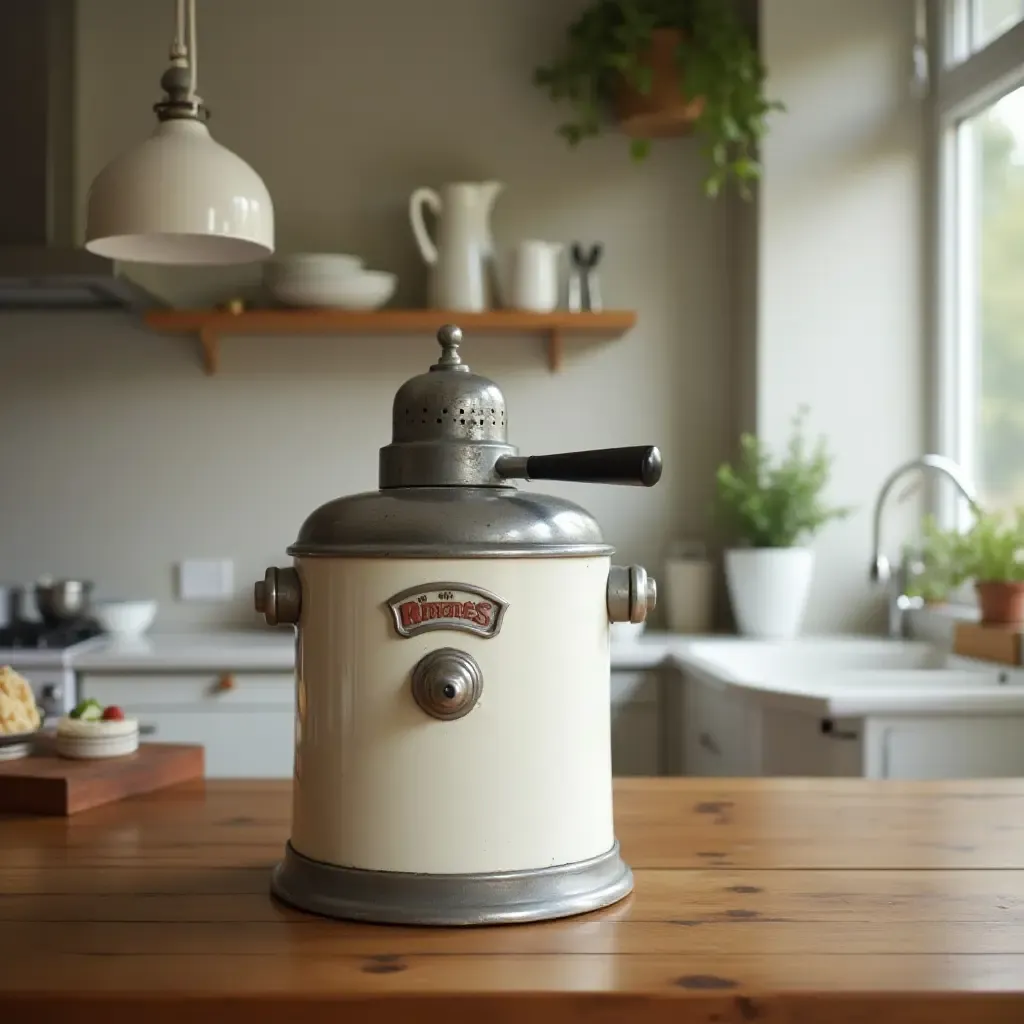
(367, 289)
(125, 618)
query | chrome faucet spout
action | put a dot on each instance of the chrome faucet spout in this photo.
(881, 571)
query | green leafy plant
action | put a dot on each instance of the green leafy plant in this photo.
(717, 61)
(772, 503)
(938, 563)
(991, 551)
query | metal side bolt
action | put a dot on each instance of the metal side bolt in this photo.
(632, 594)
(278, 596)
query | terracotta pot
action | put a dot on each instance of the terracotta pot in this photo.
(664, 110)
(1001, 603)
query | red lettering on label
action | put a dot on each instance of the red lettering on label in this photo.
(419, 611)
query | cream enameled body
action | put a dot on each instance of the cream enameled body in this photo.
(522, 782)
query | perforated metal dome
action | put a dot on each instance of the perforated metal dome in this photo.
(448, 425)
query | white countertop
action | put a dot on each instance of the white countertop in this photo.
(251, 650)
(273, 650)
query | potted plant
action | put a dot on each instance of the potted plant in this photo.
(772, 507)
(991, 553)
(661, 67)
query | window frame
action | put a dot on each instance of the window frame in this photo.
(962, 84)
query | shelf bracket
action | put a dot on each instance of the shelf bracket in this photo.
(555, 350)
(209, 339)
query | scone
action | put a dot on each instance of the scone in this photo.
(18, 711)
(19, 716)
(92, 730)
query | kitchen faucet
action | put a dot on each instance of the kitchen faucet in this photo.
(899, 601)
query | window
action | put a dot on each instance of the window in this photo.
(989, 19)
(979, 107)
(971, 25)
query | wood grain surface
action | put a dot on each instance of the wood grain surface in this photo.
(768, 901)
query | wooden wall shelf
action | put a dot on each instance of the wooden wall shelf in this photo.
(212, 325)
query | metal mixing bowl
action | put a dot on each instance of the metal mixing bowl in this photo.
(62, 600)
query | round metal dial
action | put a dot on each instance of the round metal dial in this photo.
(447, 683)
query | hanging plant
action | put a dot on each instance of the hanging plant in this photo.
(662, 67)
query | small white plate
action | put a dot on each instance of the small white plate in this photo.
(15, 745)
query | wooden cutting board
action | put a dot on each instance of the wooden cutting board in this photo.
(44, 783)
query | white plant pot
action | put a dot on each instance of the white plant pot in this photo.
(768, 588)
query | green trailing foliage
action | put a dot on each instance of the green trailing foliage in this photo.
(717, 59)
(769, 503)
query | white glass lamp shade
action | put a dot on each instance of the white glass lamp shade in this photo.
(180, 198)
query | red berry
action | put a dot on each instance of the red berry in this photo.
(113, 714)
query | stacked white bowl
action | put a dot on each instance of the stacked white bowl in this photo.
(327, 281)
(124, 618)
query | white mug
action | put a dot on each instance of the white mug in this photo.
(535, 277)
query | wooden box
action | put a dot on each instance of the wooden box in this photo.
(44, 783)
(1001, 644)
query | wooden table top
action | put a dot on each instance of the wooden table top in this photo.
(765, 900)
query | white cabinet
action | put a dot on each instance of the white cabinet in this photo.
(728, 731)
(717, 729)
(635, 737)
(246, 721)
(944, 748)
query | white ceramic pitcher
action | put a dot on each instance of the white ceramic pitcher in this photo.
(462, 260)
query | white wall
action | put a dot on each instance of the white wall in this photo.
(839, 317)
(120, 457)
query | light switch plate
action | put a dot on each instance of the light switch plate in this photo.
(206, 579)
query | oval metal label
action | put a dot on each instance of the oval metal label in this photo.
(455, 606)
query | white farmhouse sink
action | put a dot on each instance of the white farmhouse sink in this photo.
(816, 656)
(856, 677)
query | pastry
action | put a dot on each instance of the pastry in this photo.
(92, 730)
(18, 711)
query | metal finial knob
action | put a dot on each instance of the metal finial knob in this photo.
(450, 338)
(177, 103)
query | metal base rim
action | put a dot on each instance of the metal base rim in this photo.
(391, 897)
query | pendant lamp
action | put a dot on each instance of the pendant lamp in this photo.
(180, 197)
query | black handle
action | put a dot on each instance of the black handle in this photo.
(640, 466)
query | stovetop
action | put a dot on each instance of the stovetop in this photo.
(39, 636)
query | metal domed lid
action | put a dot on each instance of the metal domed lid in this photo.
(449, 522)
(444, 481)
(448, 426)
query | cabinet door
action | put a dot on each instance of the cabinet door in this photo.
(254, 744)
(716, 729)
(945, 748)
(796, 744)
(635, 736)
(246, 721)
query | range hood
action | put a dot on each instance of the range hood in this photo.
(41, 266)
